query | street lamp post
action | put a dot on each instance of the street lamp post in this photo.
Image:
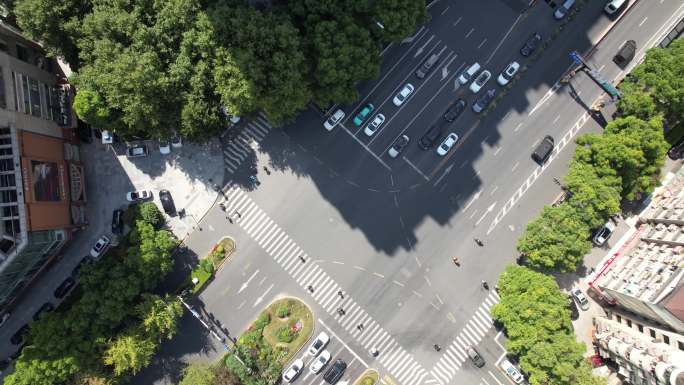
(195, 219)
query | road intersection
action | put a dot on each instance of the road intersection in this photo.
(334, 213)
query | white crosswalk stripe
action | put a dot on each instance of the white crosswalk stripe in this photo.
(471, 334)
(286, 252)
(240, 148)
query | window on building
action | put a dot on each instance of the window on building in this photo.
(27, 95)
(23, 52)
(7, 180)
(680, 345)
(35, 98)
(5, 131)
(10, 211)
(652, 332)
(3, 97)
(3, 45)
(640, 327)
(666, 339)
(5, 141)
(6, 165)
(629, 322)
(8, 196)
(12, 227)
(619, 319)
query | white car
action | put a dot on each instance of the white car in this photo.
(4, 318)
(320, 362)
(176, 142)
(447, 143)
(580, 298)
(374, 124)
(480, 81)
(164, 148)
(333, 120)
(136, 196)
(508, 73)
(604, 233)
(318, 344)
(294, 370)
(99, 247)
(512, 371)
(403, 94)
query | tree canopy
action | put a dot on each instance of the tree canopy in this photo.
(536, 316)
(156, 68)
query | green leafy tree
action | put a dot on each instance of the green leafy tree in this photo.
(345, 54)
(636, 102)
(630, 148)
(91, 107)
(662, 75)
(198, 374)
(559, 362)
(399, 18)
(557, 239)
(159, 316)
(150, 253)
(149, 212)
(268, 76)
(129, 354)
(56, 23)
(594, 198)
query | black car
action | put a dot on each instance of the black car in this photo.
(18, 336)
(543, 150)
(574, 312)
(117, 221)
(85, 260)
(675, 152)
(47, 307)
(167, 202)
(64, 288)
(475, 356)
(625, 54)
(335, 372)
(531, 44)
(455, 110)
(430, 137)
(398, 145)
(483, 101)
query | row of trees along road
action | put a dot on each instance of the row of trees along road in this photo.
(621, 164)
(111, 325)
(149, 68)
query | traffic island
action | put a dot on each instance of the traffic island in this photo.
(202, 274)
(271, 341)
(368, 377)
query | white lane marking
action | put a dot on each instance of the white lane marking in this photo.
(244, 285)
(473, 214)
(517, 127)
(643, 21)
(481, 44)
(551, 92)
(469, 32)
(503, 39)
(497, 151)
(417, 294)
(525, 186)
(475, 197)
(365, 147)
(359, 268)
(422, 48)
(415, 168)
(494, 190)
(379, 275)
(344, 344)
(338, 262)
(556, 119)
(422, 33)
(489, 209)
(398, 283)
(427, 280)
(457, 21)
(515, 166)
(444, 11)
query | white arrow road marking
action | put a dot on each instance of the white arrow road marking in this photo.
(244, 285)
(489, 210)
(261, 298)
(421, 49)
(477, 195)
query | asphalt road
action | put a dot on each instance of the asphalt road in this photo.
(383, 230)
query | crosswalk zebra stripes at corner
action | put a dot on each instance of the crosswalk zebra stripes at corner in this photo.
(471, 334)
(355, 321)
(241, 146)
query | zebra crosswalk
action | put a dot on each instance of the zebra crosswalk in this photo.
(240, 147)
(471, 334)
(358, 323)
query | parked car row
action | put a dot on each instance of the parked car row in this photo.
(321, 358)
(140, 150)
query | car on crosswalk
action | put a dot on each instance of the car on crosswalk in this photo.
(475, 356)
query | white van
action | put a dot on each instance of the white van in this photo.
(613, 6)
(469, 73)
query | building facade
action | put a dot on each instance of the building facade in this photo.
(42, 190)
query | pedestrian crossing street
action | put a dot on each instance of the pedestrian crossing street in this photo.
(360, 325)
(455, 354)
(355, 321)
(239, 148)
